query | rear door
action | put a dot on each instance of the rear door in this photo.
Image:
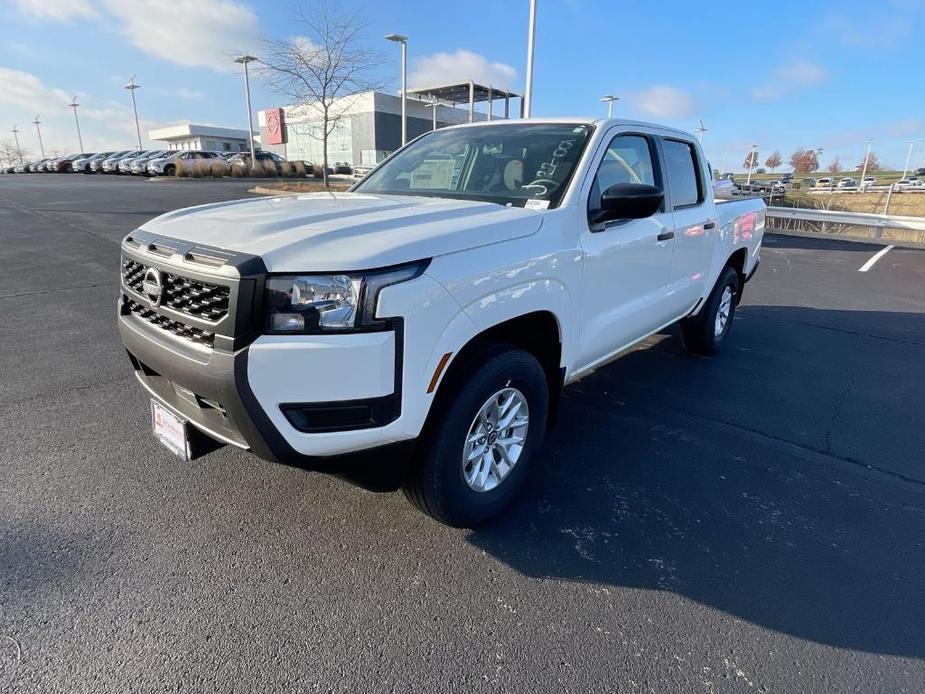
(625, 263)
(696, 230)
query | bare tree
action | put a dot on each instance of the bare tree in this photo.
(11, 155)
(326, 60)
(834, 166)
(751, 159)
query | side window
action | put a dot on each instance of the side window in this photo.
(628, 159)
(683, 173)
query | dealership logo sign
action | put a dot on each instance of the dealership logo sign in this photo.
(276, 134)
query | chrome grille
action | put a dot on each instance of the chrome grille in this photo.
(193, 297)
(187, 332)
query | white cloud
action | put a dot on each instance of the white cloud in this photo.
(662, 101)
(106, 126)
(202, 33)
(60, 10)
(874, 27)
(191, 94)
(460, 66)
(25, 90)
(800, 74)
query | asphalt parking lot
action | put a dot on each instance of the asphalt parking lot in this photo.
(751, 522)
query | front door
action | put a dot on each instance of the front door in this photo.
(625, 262)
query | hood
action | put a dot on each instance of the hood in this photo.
(346, 231)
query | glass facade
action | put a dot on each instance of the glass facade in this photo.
(303, 141)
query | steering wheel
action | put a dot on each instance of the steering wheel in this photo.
(547, 184)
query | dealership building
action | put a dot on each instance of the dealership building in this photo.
(369, 125)
(208, 137)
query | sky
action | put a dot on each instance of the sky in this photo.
(781, 75)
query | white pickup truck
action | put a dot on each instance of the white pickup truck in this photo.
(439, 307)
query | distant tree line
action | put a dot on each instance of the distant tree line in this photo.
(804, 161)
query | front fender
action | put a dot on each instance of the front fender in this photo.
(490, 293)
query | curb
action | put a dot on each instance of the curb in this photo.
(264, 190)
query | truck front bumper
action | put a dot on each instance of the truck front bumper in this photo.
(296, 400)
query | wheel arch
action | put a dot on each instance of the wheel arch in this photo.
(538, 332)
(738, 260)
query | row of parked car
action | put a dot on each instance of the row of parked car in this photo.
(169, 163)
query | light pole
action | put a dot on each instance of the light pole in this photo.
(433, 105)
(700, 131)
(609, 99)
(403, 40)
(15, 132)
(131, 86)
(39, 131)
(74, 106)
(244, 60)
(912, 143)
(531, 37)
(870, 144)
(751, 161)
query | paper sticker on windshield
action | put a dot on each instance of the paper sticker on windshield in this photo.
(533, 204)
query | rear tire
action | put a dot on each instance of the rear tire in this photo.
(704, 333)
(463, 474)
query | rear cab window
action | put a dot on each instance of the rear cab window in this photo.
(684, 176)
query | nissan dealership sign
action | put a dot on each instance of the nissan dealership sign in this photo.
(276, 132)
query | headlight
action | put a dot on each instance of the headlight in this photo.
(331, 303)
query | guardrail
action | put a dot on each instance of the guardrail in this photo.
(837, 222)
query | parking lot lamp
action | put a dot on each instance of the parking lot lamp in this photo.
(751, 160)
(74, 106)
(131, 86)
(531, 37)
(700, 131)
(609, 99)
(244, 60)
(39, 131)
(433, 105)
(864, 169)
(15, 132)
(912, 144)
(403, 40)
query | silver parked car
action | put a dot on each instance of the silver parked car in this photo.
(97, 165)
(139, 165)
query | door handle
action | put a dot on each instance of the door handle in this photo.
(665, 235)
(709, 225)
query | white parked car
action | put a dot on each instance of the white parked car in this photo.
(139, 165)
(198, 160)
(847, 182)
(824, 183)
(445, 300)
(868, 181)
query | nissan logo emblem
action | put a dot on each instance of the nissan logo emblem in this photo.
(152, 287)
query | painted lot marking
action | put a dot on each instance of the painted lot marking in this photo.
(870, 263)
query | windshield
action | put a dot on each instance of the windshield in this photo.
(508, 163)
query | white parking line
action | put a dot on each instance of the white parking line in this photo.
(870, 263)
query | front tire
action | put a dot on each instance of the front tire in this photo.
(704, 333)
(477, 449)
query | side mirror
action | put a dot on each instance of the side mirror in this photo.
(628, 201)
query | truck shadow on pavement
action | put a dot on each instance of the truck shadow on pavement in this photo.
(631, 491)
